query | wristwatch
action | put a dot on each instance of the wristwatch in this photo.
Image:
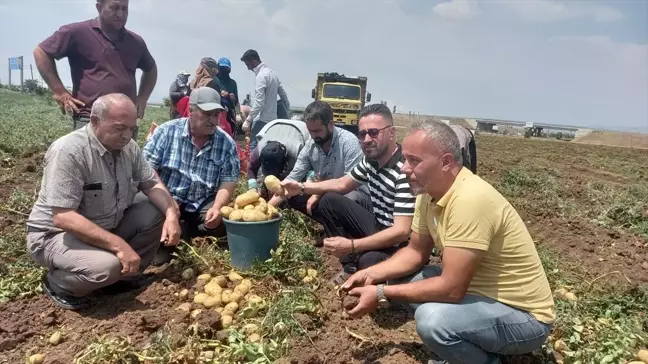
(382, 300)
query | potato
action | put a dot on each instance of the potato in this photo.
(643, 355)
(247, 198)
(236, 207)
(254, 338)
(234, 277)
(227, 313)
(262, 200)
(213, 289)
(569, 296)
(186, 307)
(236, 297)
(262, 208)
(273, 184)
(312, 273)
(221, 281)
(236, 215)
(308, 279)
(226, 211)
(250, 329)
(200, 298)
(301, 272)
(226, 320)
(212, 301)
(242, 289)
(55, 339)
(254, 216)
(226, 296)
(183, 294)
(246, 282)
(187, 274)
(272, 212)
(249, 312)
(560, 346)
(195, 313)
(219, 310)
(204, 277)
(248, 208)
(36, 359)
(256, 301)
(232, 307)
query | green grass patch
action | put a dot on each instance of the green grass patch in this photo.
(605, 325)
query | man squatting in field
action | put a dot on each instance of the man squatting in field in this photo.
(103, 57)
(359, 237)
(491, 295)
(330, 153)
(198, 163)
(89, 226)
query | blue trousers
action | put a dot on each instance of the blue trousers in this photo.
(476, 330)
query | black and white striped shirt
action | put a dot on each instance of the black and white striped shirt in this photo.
(391, 194)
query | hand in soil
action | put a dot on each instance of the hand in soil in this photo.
(368, 301)
(348, 302)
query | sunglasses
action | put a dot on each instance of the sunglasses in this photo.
(373, 132)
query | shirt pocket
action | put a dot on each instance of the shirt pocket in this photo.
(210, 176)
(92, 205)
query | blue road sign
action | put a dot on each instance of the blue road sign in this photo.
(15, 63)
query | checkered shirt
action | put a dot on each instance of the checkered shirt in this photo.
(191, 175)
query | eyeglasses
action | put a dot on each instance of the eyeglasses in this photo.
(373, 132)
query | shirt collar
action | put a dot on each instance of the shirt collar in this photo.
(463, 174)
(94, 23)
(258, 68)
(94, 142)
(393, 161)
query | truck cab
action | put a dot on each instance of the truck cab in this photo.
(346, 95)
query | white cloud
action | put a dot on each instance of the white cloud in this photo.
(458, 9)
(546, 11)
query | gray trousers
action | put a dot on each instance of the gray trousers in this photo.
(77, 268)
(78, 123)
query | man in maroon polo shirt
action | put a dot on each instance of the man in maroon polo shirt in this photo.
(103, 58)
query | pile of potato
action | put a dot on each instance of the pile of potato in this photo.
(230, 296)
(249, 207)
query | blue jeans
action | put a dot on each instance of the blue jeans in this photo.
(475, 331)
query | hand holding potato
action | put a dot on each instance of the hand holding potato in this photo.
(291, 188)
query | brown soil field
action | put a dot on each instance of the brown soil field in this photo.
(583, 204)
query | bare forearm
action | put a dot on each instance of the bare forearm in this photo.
(224, 194)
(381, 240)
(47, 68)
(161, 198)
(404, 262)
(434, 289)
(88, 232)
(322, 187)
(147, 83)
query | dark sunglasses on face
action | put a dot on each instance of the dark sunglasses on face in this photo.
(373, 132)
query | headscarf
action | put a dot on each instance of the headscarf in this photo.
(207, 69)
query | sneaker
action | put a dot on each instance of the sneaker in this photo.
(64, 301)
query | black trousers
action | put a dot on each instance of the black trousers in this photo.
(342, 216)
(193, 223)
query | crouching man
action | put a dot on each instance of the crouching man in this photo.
(87, 227)
(359, 237)
(198, 163)
(490, 296)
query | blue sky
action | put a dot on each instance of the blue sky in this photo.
(556, 61)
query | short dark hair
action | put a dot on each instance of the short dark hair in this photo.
(319, 110)
(377, 109)
(251, 55)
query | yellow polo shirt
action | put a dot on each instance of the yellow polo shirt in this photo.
(472, 214)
